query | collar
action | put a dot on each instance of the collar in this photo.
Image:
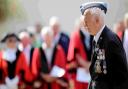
(45, 47)
(9, 55)
(28, 47)
(86, 34)
(96, 37)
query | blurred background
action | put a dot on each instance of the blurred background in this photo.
(19, 14)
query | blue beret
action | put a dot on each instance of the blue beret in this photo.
(101, 5)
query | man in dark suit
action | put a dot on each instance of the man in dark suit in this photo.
(108, 67)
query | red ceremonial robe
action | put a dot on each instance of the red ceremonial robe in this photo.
(58, 58)
(33, 56)
(77, 46)
(17, 68)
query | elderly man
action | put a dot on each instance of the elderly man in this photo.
(30, 55)
(108, 67)
(59, 37)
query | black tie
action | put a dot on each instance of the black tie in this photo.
(93, 46)
(93, 49)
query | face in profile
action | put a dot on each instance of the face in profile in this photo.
(89, 23)
(92, 22)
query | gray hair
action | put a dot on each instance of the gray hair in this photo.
(54, 20)
(96, 12)
(24, 34)
(46, 31)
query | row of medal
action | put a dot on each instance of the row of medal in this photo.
(100, 59)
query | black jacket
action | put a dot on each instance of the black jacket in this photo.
(109, 53)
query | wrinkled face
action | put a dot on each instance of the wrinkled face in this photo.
(55, 29)
(11, 42)
(47, 39)
(90, 23)
(25, 41)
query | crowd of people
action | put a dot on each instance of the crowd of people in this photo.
(46, 58)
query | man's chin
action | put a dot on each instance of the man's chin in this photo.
(90, 33)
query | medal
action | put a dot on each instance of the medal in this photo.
(98, 67)
(105, 71)
(93, 84)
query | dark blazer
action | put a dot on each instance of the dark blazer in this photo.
(64, 42)
(108, 64)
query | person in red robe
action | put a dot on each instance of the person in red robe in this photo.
(31, 54)
(119, 28)
(51, 68)
(13, 67)
(79, 56)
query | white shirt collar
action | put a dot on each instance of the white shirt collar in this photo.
(27, 51)
(96, 37)
(48, 52)
(9, 55)
(28, 47)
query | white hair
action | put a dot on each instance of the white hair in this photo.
(54, 21)
(46, 31)
(23, 34)
(96, 12)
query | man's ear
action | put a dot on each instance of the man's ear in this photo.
(97, 19)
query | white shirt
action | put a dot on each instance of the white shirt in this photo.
(96, 37)
(27, 53)
(48, 52)
(125, 44)
(9, 55)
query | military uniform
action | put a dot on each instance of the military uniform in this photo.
(108, 65)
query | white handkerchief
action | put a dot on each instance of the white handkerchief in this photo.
(3, 86)
(12, 83)
(57, 71)
(83, 75)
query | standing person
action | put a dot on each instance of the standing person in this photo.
(79, 56)
(31, 54)
(13, 65)
(125, 36)
(108, 64)
(59, 37)
(52, 69)
(119, 29)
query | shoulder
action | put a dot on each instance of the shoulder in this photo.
(111, 37)
(1, 54)
(64, 35)
(75, 35)
(36, 49)
(59, 49)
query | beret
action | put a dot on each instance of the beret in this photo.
(101, 5)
